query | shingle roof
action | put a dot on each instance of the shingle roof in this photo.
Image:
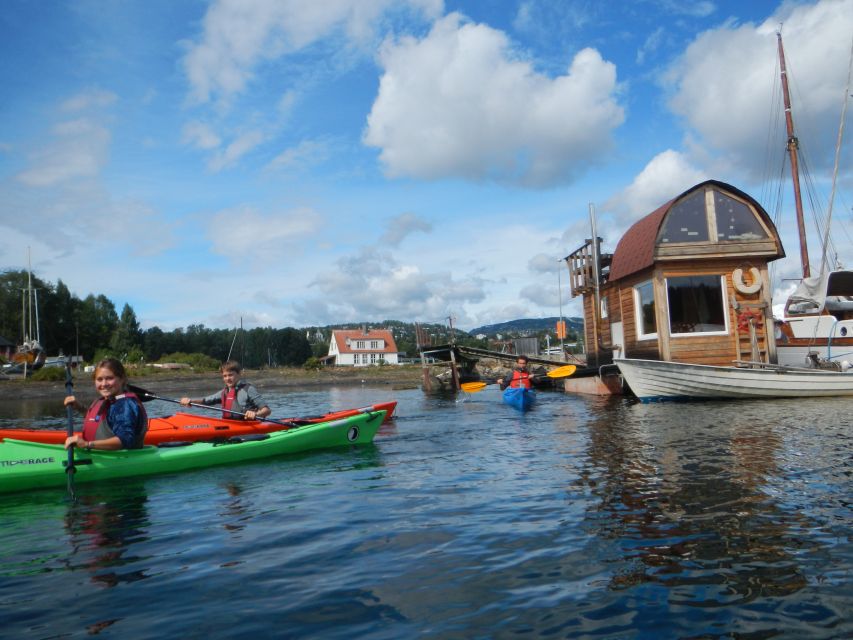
(341, 335)
(636, 249)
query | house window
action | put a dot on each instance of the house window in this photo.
(686, 221)
(696, 305)
(603, 309)
(372, 358)
(374, 344)
(644, 299)
(359, 344)
(735, 220)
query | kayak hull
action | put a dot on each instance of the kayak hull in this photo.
(33, 465)
(183, 427)
(521, 399)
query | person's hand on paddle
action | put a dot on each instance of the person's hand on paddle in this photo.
(185, 402)
(71, 401)
(76, 441)
(263, 412)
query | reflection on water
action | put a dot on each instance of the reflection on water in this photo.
(103, 526)
(585, 518)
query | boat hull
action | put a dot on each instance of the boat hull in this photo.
(182, 427)
(521, 399)
(657, 379)
(32, 465)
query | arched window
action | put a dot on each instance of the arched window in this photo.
(687, 221)
(735, 220)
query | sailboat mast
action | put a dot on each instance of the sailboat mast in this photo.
(793, 147)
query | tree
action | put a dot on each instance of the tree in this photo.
(98, 320)
(126, 337)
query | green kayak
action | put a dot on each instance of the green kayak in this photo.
(31, 465)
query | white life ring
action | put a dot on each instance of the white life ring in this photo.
(740, 285)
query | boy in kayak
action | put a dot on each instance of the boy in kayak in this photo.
(238, 396)
(520, 376)
(117, 419)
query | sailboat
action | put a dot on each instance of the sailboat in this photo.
(812, 339)
(30, 355)
(817, 327)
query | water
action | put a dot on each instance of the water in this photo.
(585, 518)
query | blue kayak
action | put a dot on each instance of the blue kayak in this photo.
(520, 398)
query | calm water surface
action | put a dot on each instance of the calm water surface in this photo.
(585, 518)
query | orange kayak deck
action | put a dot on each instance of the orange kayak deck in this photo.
(191, 427)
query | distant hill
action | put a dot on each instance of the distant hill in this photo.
(528, 325)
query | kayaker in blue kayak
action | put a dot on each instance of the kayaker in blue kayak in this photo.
(238, 396)
(520, 377)
(117, 419)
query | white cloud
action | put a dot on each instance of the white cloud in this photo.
(239, 147)
(88, 100)
(79, 149)
(240, 232)
(664, 177)
(733, 70)
(306, 153)
(239, 34)
(200, 135)
(403, 225)
(459, 103)
(544, 263)
(372, 285)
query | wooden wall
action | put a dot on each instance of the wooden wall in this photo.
(702, 349)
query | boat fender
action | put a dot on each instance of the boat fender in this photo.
(740, 285)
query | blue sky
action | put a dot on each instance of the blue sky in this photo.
(290, 163)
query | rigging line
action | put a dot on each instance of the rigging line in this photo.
(837, 155)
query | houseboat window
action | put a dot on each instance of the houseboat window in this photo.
(686, 221)
(735, 220)
(603, 312)
(644, 297)
(696, 305)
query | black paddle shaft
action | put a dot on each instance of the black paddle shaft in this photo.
(69, 409)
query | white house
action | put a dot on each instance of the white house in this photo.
(360, 347)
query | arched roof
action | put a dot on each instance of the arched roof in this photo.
(636, 249)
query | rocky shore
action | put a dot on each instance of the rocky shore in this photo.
(178, 383)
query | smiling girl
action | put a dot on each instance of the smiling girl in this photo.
(117, 419)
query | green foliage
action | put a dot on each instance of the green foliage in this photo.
(198, 361)
(100, 354)
(134, 356)
(52, 374)
(312, 364)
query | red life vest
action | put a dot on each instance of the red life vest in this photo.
(229, 399)
(95, 424)
(520, 379)
(96, 414)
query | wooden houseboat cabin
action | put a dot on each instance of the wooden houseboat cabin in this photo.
(687, 283)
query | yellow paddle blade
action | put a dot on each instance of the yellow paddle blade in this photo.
(473, 387)
(562, 372)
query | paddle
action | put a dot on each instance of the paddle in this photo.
(559, 372)
(69, 409)
(143, 395)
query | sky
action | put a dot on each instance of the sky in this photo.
(286, 163)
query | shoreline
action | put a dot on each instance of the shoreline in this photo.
(181, 383)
